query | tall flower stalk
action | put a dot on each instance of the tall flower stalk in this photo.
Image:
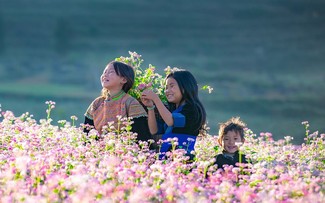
(74, 118)
(306, 125)
(50, 106)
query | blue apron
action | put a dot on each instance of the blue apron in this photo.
(185, 141)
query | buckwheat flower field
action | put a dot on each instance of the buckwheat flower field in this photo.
(41, 161)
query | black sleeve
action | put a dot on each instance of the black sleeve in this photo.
(140, 126)
(89, 122)
(192, 121)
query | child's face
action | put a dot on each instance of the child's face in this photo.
(110, 80)
(172, 91)
(229, 141)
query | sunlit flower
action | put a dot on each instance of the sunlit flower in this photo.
(74, 118)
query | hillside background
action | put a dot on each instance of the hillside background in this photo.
(264, 59)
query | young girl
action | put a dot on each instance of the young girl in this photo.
(117, 79)
(231, 134)
(187, 116)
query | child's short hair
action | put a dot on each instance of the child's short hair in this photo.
(233, 124)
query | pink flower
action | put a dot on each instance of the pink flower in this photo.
(142, 86)
(149, 84)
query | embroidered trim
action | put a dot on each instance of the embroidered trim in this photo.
(117, 96)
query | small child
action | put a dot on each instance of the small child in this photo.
(231, 135)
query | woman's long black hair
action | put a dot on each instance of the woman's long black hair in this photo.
(190, 92)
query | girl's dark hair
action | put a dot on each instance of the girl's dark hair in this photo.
(190, 92)
(122, 70)
(125, 71)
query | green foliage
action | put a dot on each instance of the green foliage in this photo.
(145, 78)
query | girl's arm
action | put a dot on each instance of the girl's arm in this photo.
(152, 121)
(163, 111)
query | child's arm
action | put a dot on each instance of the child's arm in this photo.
(163, 111)
(152, 122)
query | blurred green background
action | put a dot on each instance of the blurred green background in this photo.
(264, 59)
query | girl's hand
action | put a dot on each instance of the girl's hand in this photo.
(147, 102)
(149, 94)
